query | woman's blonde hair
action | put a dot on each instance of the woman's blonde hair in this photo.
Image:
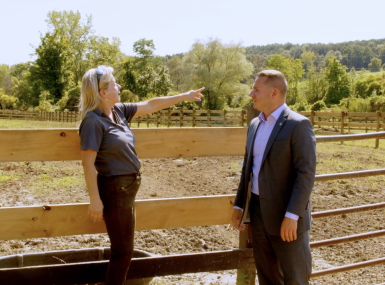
(89, 96)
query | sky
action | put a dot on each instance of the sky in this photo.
(174, 25)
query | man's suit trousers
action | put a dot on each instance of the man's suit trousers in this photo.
(278, 262)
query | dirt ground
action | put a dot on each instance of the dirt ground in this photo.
(37, 183)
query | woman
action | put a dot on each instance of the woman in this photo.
(111, 166)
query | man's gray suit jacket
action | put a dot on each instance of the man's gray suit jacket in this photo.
(287, 172)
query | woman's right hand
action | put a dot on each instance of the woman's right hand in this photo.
(95, 210)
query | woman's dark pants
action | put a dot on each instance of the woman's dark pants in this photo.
(118, 196)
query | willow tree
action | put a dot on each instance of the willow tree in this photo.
(221, 68)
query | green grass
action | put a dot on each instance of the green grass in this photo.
(46, 184)
(26, 124)
(4, 178)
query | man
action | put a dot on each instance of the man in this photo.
(277, 179)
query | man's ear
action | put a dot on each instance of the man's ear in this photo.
(275, 93)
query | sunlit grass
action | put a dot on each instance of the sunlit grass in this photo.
(27, 124)
(45, 184)
(4, 178)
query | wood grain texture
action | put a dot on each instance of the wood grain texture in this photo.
(64, 144)
(71, 219)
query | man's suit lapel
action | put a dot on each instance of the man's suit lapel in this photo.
(278, 125)
(251, 138)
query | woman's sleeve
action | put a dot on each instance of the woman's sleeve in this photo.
(129, 110)
(91, 134)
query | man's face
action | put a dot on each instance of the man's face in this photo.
(261, 95)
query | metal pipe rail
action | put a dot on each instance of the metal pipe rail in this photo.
(333, 241)
(354, 137)
(342, 211)
(348, 267)
(353, 174)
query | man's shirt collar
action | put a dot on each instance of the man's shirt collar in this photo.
(274, 115)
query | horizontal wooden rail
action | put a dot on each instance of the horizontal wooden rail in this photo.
(356, 237)
(49, 144)
(64, 144)
(356, 209)
(93, 272)
(71, 219)
(353, 174)
(348, 267)
(354, 137)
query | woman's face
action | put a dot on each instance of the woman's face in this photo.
(112, 92)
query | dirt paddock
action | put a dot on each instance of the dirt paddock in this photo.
(37, 183)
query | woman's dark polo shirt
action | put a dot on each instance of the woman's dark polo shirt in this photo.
(114, 142)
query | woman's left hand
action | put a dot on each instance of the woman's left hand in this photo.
(194, 95)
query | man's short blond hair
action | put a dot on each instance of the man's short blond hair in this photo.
(275, 79)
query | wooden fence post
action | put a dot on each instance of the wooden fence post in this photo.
(224, 118)
(181, 118)
(148, 120)
(312, 118)
(246, 276)
(157, 119)
(242, 118)
(208, 118)
(377, 143)
(342, 122)
(168, 118)
(193, 118)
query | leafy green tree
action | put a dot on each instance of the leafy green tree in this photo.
(49, 70)
(293, 71)
(176, 71)
(69, 24)
(371, 85)
(102, 52)
(338, 82)
(221, 68)
(308, 58)
(145, 74)
(7, 101)
(375, 64)
(315, 87)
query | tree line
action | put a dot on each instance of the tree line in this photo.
(345, 75)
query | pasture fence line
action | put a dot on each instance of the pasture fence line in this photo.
(71, 219)
(325, 123)
(163, 118)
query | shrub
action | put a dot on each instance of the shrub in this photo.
(318, 106)
(7, 101)
(377, 103)
(355, 105)
(128, 96)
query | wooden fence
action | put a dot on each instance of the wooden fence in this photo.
(164, 118)
(70, 219)
(326, 123)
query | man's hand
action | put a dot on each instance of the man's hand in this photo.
(289, 229)
(236, 219)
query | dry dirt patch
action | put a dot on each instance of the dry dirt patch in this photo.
(38, 183)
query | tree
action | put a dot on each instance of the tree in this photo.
(308, 58)
(176, 71)
(338, 82)
(315, 87)
(68, 24)
(145, 74)
(102, 52)
(49, 70)
(375, 64)
(221, 69)
(293, 71)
